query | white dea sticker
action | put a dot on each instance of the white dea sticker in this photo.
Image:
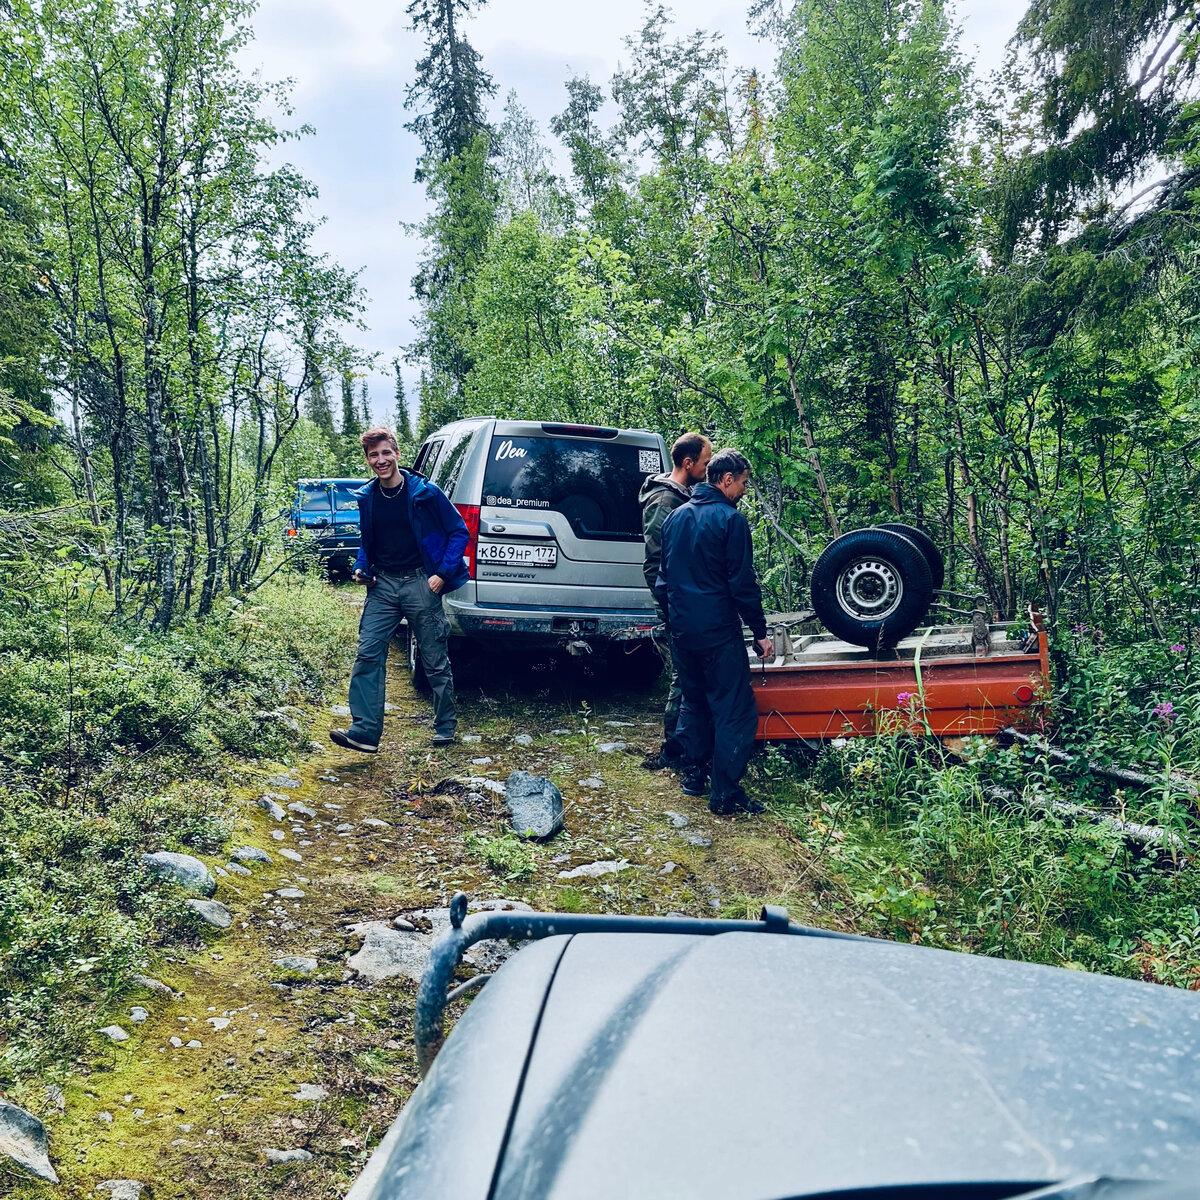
(508, 450)
(649, 462)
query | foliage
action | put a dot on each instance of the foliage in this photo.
(507, 854)
(115, 741)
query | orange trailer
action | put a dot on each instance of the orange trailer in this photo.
(955, 680)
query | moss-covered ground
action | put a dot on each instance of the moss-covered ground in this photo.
(193, 1122)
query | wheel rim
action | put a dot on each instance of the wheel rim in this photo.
(869, 589)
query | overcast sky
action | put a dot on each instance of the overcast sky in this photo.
(351, 61)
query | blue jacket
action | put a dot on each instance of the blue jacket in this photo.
(440, 532)
(706, 580)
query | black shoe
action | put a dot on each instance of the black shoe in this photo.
(442, 739)
(339, 737)
(693, 785)
(738, 805)
(669, 762)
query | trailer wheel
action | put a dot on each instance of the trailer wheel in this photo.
(871, 587)
(924, 543)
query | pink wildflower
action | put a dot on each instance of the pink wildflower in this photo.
(1165, 711)
(1177, 647)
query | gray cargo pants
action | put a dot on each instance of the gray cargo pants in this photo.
(392, 598)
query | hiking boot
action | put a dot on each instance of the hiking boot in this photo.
(737, 805)
(669, 762)
(693, 784)
(339, 737)
(442, 739)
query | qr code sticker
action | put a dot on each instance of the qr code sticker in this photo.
(649, 462)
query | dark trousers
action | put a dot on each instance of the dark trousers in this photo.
(672, 748)
(718, 717)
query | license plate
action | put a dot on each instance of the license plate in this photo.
(510, 552)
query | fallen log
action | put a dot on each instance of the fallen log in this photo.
(1118, 774)
(1150, 837)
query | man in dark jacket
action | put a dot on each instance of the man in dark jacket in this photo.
(411, 555)
(660, 496)
(707, 585)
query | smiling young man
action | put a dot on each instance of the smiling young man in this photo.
(411, 556)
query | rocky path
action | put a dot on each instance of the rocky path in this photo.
(268, 1057)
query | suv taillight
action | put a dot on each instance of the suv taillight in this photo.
(470, 516)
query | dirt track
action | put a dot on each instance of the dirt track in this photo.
(193, 1122)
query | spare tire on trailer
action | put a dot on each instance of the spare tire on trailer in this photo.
(871, 587)
(924, 543)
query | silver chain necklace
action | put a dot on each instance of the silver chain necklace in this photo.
(392, 495)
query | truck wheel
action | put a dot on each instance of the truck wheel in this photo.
(924, 543)
(871, 587)
(420, 681)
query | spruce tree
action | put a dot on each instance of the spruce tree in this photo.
(350, 424)
(450, 91)
(364, 404)
(319, 411)
(404, 430)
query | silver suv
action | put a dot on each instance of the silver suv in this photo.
(555, 553)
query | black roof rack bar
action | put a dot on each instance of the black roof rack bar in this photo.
(465, 931)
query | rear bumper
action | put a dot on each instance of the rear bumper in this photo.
(548, 627)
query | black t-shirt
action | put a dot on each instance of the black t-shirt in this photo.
(396, 547)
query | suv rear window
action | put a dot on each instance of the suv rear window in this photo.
(314, 497)
(593, 484)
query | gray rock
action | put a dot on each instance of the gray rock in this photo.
(290, 893)
(299, 807)
(592, 781)
(122, 1189)
(311, 1091)
(376, 823)
(284, 781)
(238, 869)
(487, 955)
(619, 725)
(115, 1033)
(291, 855)
(139, 1015)
(676, 819)
(560, 733)
(595, 870)
(611, 747)
(273, 810)
(403, 925)
(469, 739)
(534, 804)
(282, 719)
(187, 871)
(345, 827)
(487, 785)
(296, 962)
(278, 1157)
(699, 840)
(213, 912)
(156, 985)
(523, 739)
(278, 834)
(340, 710)
(250, 854)
(480, 762)
(387, 953)
(23, 1141)
(667, 868)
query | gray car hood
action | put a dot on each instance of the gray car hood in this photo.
(751, 1067)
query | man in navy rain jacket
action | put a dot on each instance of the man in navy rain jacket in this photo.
(411, 555)
(707, 586)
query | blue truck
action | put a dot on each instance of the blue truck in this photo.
(324, 516)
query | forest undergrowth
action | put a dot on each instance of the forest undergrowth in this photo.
(117, 740)
(983, 846)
